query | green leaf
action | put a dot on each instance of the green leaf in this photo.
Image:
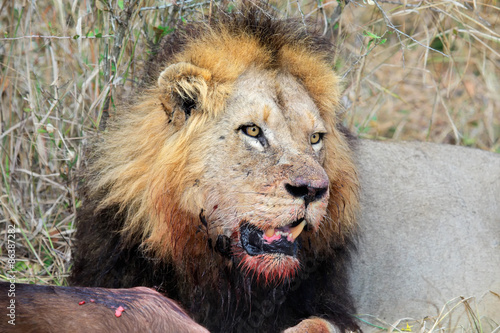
(161, 31)
(120, 4)
(20, 266)
(370, 34)
(469, 141)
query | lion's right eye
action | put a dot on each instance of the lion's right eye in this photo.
(252, 130)
(315, 138)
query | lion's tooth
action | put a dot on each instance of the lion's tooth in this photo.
(297, 230)
(270, 232)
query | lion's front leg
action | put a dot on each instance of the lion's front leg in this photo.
(313, 325)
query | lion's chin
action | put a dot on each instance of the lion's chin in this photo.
(269, 268)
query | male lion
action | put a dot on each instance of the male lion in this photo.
(228, 183)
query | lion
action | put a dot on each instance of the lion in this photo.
(228, 182)
(430, 237)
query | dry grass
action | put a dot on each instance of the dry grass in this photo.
(60, 60)
(446, 321)
(405, 90)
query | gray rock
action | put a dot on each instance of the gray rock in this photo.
(430, 226)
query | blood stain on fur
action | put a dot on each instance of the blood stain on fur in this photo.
(118, 312)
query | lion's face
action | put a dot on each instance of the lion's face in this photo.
(234, 153)
(264, 183)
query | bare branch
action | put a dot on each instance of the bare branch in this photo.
(55, 37)
(399, 32)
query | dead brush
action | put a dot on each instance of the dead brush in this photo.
(445, 321)
(413, 70)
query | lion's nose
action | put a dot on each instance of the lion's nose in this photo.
(308, 192)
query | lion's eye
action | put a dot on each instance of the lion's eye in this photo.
(316, 138)
(252, 131)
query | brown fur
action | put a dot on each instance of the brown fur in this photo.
(43, 309)
(316, 325)
(169, 181)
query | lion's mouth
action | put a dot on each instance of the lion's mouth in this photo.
(273, 240)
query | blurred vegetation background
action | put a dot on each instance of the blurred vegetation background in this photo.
(412, 70)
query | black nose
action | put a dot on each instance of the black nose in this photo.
(308, 193)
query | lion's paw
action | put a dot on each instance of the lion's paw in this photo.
(313, 325)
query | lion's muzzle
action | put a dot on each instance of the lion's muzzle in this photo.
(273, 240)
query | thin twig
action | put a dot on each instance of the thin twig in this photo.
(163, 6)
(399, 32)
(190, 6)
(55, 37)
(301, 13)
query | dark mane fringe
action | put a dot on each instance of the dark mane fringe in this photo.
(261, 22)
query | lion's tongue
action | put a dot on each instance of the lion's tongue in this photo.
(291, 233)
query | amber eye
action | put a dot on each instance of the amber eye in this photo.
(252, 131)
(315, 138)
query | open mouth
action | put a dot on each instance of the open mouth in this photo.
(273, 240)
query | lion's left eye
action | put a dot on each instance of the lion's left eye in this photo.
(253, 131)
(316, 138)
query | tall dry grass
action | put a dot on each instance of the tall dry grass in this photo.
(413, 70)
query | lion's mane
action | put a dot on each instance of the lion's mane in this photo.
(141, 224)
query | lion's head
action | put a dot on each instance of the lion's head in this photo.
(233, 155)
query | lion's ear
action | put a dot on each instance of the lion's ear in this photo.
(187, 86)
